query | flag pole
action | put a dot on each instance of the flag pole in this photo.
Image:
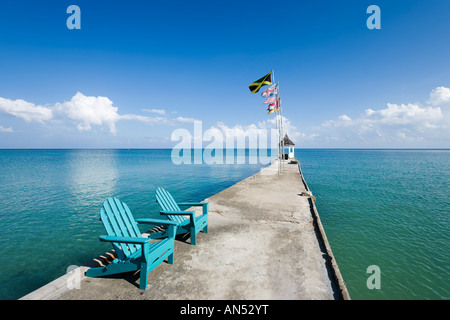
(281, 130)
(280, 137)
(277, 125)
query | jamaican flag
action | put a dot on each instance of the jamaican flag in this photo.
(255, 86)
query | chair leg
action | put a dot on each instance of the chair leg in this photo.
(170, 259)
(193, 237)
(205, 229)
(144, 276)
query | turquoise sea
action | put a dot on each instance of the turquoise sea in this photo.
(50, 202)
(388, 208)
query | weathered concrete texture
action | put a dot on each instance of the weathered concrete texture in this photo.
(262, 244)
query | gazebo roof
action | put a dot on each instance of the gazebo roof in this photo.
(287, 141)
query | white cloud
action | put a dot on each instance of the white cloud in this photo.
(439, 96)
(345, 117)
(82, 111)
(157, 120)
(87, 111)
(25, 110)
(404, 115)
(266, 128)
(238, 130)
(184, 120)
(3, 129)
(397, 125)
(288, 127)
(144, 119)
(158, 111)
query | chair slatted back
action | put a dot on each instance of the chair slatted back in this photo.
(167, 203)
(118, 221)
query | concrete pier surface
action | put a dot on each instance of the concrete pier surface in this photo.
(265, 242)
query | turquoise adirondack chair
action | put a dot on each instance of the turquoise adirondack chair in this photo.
(133, 251)
(187, 221)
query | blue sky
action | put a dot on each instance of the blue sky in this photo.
(138, 70)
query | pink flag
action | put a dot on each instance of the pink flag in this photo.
(269, 100)
(274, 106)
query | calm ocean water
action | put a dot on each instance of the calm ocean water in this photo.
(388, 208)
(50, 202)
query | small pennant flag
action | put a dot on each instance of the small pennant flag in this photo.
(255, 86)
(272, 90)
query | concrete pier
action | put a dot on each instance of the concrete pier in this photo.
(265, 242)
